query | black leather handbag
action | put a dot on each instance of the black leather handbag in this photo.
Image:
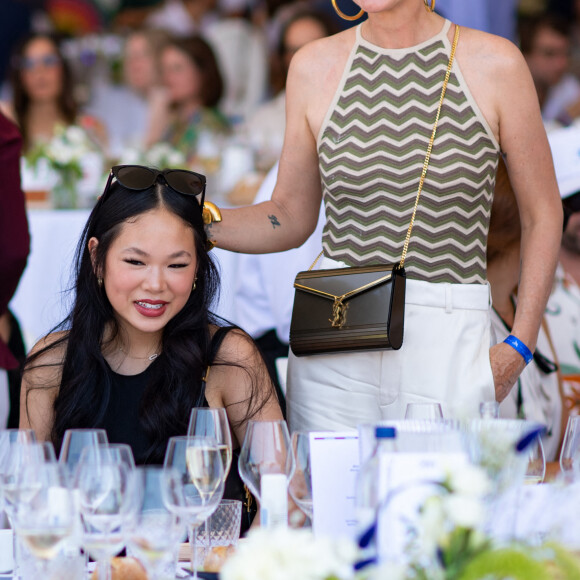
(360, 308)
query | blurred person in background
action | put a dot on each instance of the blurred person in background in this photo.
(537, 394)
(545, 44)
(563, 309)
(194, 86)
(43, 94)
(265, 128)
(183, 17)
(242, 54)
(14, 248)
(135, 112)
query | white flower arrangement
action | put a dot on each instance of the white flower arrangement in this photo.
(289, 554)
(73, 157)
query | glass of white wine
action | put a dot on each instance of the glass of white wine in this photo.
(44, 517)
(213, 423)
(193, 482)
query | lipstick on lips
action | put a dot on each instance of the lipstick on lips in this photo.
(150, 308)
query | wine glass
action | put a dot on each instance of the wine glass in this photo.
(44, 513)
(265, 464)
(73, 443)
(424, 411)
(536, 469)
(300, 484)
(570, 454)
(489, 410)
(193, 482)
(213, 422)
(154, 531)
(104, 493)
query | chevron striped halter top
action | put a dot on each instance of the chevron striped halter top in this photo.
(372, 146)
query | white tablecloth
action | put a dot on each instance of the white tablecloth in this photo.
(42, 300)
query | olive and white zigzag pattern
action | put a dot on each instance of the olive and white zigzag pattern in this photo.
(371, 155)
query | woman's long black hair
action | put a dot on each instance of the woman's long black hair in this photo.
(175, 385)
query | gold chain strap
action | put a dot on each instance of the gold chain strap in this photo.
(430, 147)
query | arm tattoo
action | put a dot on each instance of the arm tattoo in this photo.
(274, 221)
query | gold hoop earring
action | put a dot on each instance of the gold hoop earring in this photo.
(429, 5)
(194, 285)
(346, 16)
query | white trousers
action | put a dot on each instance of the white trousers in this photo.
(444, 359)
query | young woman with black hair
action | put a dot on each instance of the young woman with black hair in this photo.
(134, 355)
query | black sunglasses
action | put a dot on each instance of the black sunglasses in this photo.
(140, 178)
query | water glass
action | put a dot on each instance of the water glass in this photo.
(300, 485)
(75, 441)
(570, 454)
(489, 410)
(536, 469)
(153, 532)
(424, 411)
(220, 533)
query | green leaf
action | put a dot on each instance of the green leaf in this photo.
(505, 563)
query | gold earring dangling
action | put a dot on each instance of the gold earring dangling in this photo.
(429, 5)
(346, 16)
(194, 285)
(100, 282)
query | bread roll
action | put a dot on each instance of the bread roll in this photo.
(124, 569)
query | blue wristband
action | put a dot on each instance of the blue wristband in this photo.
(518, 345)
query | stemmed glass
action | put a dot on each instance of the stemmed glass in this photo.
(73, 443)
(265, 464)
(44, 514)
(300, 484)
(570, 454)
(154, 531)
(213, 422)
(424, 411)
(193, 482)
(104, 492)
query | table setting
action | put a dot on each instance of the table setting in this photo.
(429, 499)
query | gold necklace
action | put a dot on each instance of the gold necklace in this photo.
(151, 357)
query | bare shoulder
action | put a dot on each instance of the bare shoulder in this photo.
(491, 54)
(8, 110)
(322, 60)
(44, 365)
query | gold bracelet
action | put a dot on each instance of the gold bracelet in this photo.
(210, 214)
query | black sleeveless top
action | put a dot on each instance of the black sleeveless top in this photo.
(123, 425)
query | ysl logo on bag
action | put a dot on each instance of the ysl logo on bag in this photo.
(339, 309)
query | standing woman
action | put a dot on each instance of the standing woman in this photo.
(361, 107)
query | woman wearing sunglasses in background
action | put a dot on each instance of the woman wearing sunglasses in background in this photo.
(43, 95)
(134, 354)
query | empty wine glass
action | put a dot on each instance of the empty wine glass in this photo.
(489, 410)
(213, 422)
(193, 482)
(73, 443)
(265, 460)
(44, 512)
(300, 485)
(424, 411)
(104, 492)
(154, 531)
(536, 469)
(570, 454)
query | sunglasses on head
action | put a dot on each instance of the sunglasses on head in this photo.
(140, 178)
